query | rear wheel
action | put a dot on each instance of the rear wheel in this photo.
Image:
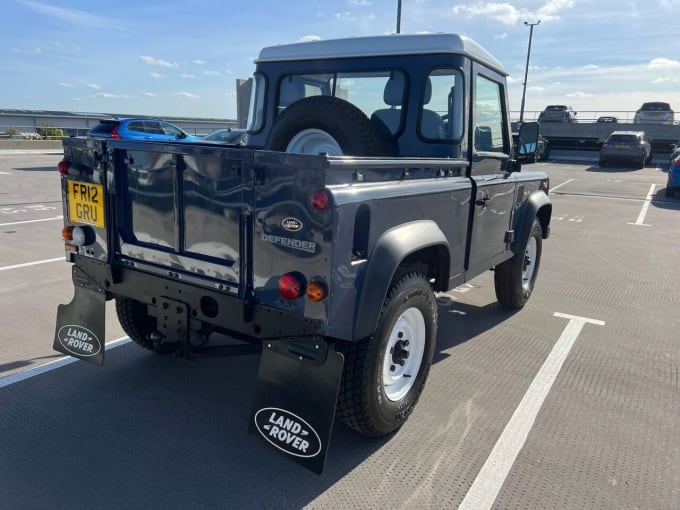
(385, 374)
(138, 324)
(514, 279)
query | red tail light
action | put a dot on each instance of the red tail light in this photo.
(320, 200)
(62, 167)
(114, 133)
(291, 286)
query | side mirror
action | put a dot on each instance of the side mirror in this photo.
(527, 139)
(182, 136)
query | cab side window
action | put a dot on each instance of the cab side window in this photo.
(441, 115)
(488, 116)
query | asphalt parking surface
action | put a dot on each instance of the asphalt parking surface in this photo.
(572, 402)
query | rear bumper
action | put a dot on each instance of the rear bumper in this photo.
(224, 311)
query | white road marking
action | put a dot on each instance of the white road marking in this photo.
(565, 182)
(5, 173)
(52, 365)
(645, 206)
(17, 266)
(31, 221)
(485, 488)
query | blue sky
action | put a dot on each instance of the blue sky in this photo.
(172, 58)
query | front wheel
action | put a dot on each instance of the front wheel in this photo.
(514, 279)
(385, 374)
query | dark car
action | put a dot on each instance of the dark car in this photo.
(557, 113)
(655, 112)
(534, 153)
(140, 129)
(607, 119)
(230, 135)
(630, 147)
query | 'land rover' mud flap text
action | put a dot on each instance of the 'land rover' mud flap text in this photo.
(80, 324)
(295, 399)
(288, 432)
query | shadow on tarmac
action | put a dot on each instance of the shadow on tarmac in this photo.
(149, 431)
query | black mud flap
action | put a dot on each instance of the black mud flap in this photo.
(80, 324)
(295, 399)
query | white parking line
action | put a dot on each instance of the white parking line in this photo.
(31, 221)
(645, 206)
(52, 365)
(17, 266)
(565, 182)
(491, 477)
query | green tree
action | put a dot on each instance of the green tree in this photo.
(47, 131)
(11, 131)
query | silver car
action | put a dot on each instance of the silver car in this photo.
(626, 147)
(654, 113)
(557, 113)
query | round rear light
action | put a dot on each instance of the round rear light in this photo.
(62, 167)
(316, 291)
(291, 286)
(320, 200)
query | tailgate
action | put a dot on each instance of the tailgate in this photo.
(182, 207)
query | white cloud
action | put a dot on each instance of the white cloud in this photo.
(501, 36)
(199, 61)
(69, 85)
(309, 38)
(187, 76)
(73, 16)
(359, 3)
(664, 63)
(212, 73)
(156, 61)
(106, 95)
(149, 94)
(94, 86)
(508, 14)
(578, 95)
(156, 75)
(188, 95)
(28, 51)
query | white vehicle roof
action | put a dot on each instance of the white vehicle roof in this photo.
(395, 44)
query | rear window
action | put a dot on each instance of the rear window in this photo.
(656, 107)
(555, 108)
(630, 139)
(104, 127)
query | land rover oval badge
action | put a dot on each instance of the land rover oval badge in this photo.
(288, 432)
(291, 224)
(79, 341)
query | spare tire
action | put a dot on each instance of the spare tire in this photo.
(324, 124)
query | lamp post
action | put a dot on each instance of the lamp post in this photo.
(398, 16)
(526, 69)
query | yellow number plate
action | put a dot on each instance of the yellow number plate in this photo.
(86, 203)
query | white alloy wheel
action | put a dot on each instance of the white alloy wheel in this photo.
(404, 354)
(529, 264)
(315, 142)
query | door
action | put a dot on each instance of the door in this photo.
(493, 188)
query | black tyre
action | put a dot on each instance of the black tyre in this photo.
(514, 279)
(385, 374)
(138, 324)
(324, 124)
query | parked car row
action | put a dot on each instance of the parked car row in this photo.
(653, 112)
(160, 131)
